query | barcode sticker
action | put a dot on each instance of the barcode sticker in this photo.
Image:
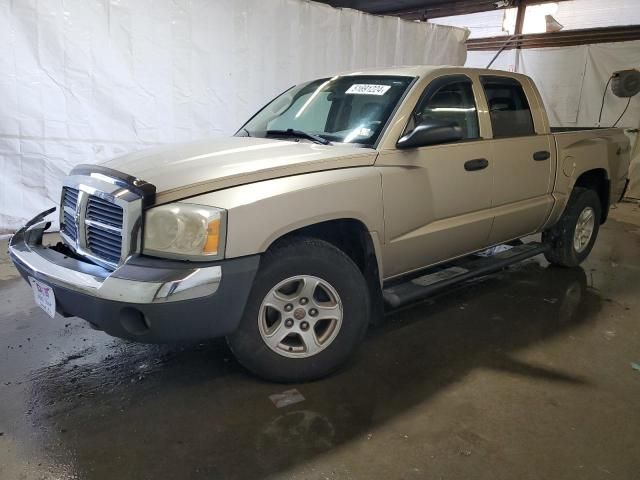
(367, 89)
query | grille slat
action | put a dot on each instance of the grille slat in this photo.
(69, 200)
(99, 210)
(102, 242)
(69, 226)
(105, 254)
(97, 245)
(100, 202)
(98, 236)
(70, 197)
(102, 218)
(108, 209)
(104, 233)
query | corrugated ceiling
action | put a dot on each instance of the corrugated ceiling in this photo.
(418, 9)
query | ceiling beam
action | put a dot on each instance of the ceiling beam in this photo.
(559, 39)
(522, 8)
(445, 9)
(430, 10)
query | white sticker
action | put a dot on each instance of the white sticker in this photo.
(44, 296)
(286, 398)
(367, 89)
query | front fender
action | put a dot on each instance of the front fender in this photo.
(260, 213)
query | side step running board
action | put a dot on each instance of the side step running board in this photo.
(455, 272)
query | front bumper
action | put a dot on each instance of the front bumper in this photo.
(144, 299)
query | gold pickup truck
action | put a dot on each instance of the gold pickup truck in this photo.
(341, 196)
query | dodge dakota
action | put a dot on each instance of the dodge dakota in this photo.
(336, 198)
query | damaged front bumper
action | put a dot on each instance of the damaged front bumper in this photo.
(144, 299)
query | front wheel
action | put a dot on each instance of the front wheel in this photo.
(570, 241)
(307, 312)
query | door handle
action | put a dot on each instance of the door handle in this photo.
(476, 164)
(541, 155)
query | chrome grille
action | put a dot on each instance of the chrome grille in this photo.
(100, 216)
(104, 229)
(69, 202)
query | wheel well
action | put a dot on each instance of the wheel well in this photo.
(353, 238)
(349, 235)
(598, 181)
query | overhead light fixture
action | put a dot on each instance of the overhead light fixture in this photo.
(552, 25)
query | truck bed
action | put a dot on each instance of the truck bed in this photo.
(589, 147)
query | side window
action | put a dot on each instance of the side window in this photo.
(508, 107)
(450, 100)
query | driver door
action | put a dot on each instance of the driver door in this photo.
(437, 199)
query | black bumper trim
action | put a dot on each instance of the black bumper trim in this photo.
(201, 318)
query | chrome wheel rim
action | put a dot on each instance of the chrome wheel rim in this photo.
(584, 229)
(300, 316)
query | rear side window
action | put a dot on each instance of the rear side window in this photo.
(508, 107)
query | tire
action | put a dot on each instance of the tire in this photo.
(564, 248)
(272, 341)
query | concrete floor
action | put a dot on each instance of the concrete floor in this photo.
(526, 374)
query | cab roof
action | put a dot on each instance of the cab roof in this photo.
(422, 70)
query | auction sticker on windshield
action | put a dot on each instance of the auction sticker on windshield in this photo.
(44, 297)
(367, 89)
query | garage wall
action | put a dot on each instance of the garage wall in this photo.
(571, 81)
(84, 81)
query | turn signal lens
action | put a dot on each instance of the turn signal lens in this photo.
(213, 237)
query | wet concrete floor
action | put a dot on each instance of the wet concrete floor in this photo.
(526, 374)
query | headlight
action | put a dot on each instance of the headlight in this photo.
(184, 231)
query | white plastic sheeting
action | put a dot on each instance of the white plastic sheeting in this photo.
(83, 81)
(571, 81)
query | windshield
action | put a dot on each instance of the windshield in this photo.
(351, 109)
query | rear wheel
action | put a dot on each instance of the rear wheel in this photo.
(570, 241)
(307, 313)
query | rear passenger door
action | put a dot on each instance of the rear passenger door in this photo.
(523, 161)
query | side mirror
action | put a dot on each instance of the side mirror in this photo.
(431, 132)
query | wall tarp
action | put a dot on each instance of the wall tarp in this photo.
(85, 81)
(572, 80)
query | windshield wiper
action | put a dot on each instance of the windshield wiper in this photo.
(300, 134)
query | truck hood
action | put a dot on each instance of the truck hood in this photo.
(186, 170)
